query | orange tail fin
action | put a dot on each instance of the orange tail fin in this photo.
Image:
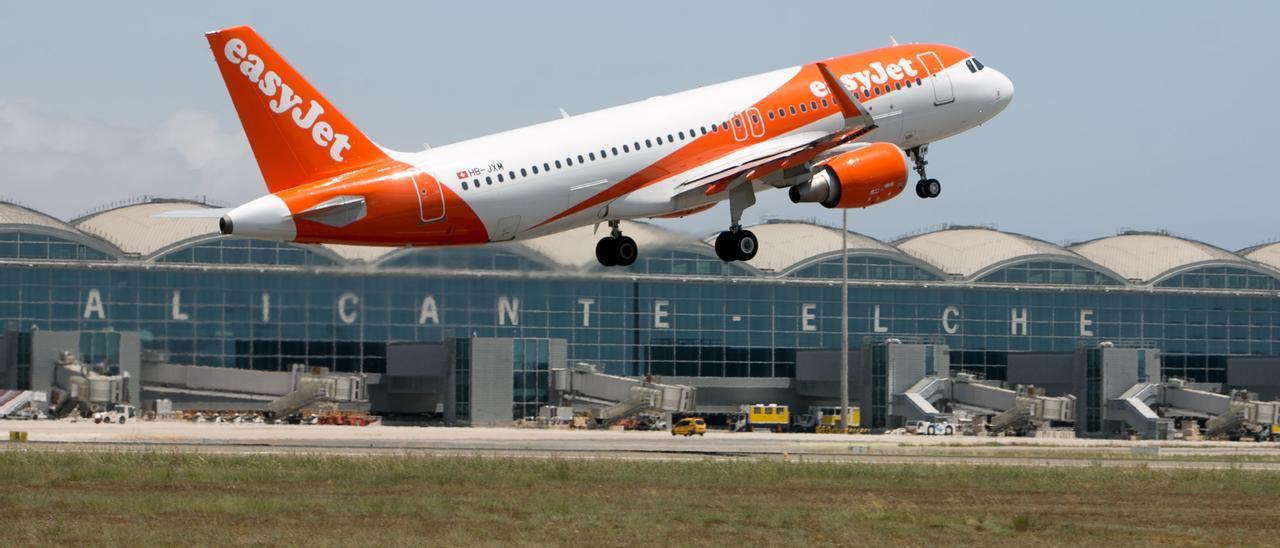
(296, 134)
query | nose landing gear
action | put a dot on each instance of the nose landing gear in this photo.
(616, 249)
(926, 187)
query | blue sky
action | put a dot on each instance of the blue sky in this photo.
(1128, 115)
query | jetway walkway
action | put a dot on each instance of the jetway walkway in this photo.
(1017, 411)
(614, 398)
(1150, 409)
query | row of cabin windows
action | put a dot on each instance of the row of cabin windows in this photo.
(671, 138)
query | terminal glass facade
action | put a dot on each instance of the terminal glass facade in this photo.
(266, 306)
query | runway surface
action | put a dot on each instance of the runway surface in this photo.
(600, 444)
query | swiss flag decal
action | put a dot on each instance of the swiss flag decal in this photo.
(462, 175)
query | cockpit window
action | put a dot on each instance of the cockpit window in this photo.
(969, 63)
(978, 63)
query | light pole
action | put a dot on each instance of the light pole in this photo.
(844, 321)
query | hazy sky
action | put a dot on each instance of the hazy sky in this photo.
(1127, 115)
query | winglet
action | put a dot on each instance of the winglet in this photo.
(855, 115)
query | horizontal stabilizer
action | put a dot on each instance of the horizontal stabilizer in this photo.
(336, 212)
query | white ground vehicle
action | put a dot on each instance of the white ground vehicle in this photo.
(119, 414)
(931, 428)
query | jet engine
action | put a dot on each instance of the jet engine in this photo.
(858, 178)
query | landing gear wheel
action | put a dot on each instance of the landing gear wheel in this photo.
(920, 189)
(931, 187)
(617, 251)
(724, 247)
(605, 252)
(739, 245)
(746, 245)
(625, 251)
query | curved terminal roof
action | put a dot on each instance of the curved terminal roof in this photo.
(137, 230)
(1146, 256)
(790, 243)
(1267, 254)
(960, 252)
(965, 251)
(13, 214)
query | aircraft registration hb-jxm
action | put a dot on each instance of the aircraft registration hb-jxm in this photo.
(842, 133)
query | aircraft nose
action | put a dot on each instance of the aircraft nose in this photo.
(1003, 87)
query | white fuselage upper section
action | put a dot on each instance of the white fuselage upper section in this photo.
(520, 207)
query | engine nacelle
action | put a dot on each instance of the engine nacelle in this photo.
(858, 178)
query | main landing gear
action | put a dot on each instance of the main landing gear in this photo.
(925, 187)
(616, 249)
(736, 244)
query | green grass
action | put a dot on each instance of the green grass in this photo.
(186, 499)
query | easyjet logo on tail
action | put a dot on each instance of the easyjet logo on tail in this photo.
(284, 100)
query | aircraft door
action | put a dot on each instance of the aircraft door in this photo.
(739, 125)
(942, 90)
(755, 122)
(430, 198)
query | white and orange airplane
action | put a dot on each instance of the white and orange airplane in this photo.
(842, 133)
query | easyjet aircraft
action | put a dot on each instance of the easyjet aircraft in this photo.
(842, 133)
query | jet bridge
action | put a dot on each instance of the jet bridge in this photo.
(611, 398)
(1019, 410)
(1150, 409)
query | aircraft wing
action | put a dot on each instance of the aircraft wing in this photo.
(788, 151)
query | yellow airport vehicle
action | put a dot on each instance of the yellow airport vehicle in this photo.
(690, 426)
(829, 420)
(769, 417)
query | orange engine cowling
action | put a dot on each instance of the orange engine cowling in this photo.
(858, 178)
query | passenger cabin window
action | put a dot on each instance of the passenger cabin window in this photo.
(824, 103)
(658, 139)
(670, 139)
(792, 108)
(626, 148)
(737, 122)
(568, 162)
(813, 105)
(615, 151)
(488, 180)
(464, 185)
(591, 155)
(535, 170)
(511, 175)
(524, 173)
(499, 177)
(557, 164)
(580, 160)
(771, 115)
(648, 143)
(802, 109)
(546, 167)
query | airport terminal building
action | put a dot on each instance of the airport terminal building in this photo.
(195, 297)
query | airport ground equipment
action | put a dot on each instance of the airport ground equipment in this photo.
(1150, 410)
(316, 385)
(1015, 411)
(825, 419)
(15, 402)
(611, 398)
(118, 414)
(766, 416)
